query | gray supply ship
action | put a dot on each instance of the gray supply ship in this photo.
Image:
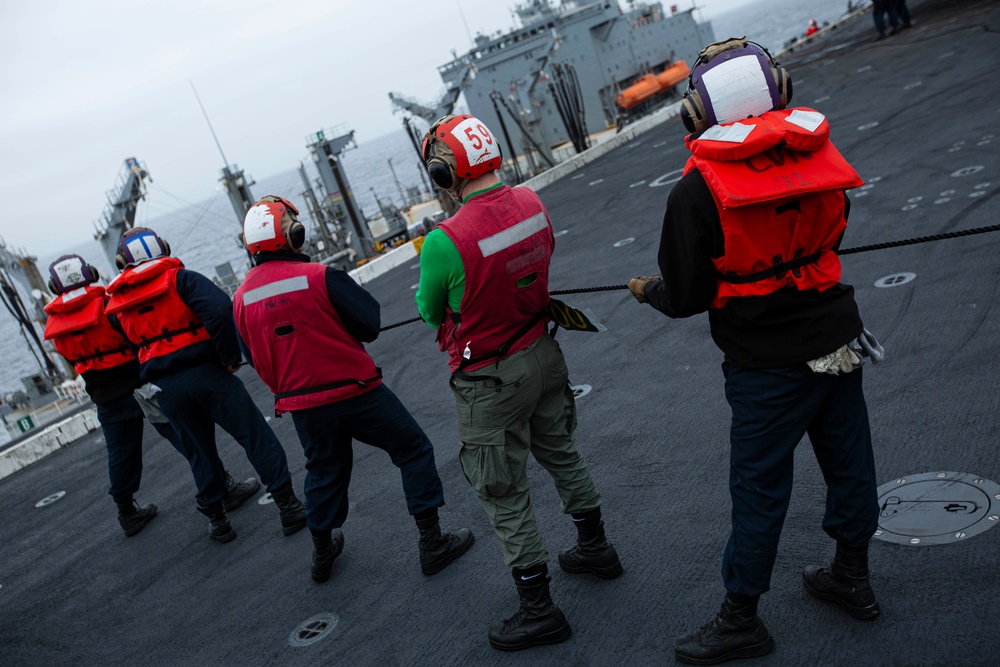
(557, 77)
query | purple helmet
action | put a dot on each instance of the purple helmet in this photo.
(70, 272)
(732, 80)
(138, 245)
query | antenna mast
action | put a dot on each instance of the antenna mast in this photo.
(210, 128)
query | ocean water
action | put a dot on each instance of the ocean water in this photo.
(204, 234)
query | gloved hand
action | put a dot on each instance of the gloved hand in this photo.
(868, 346)
(638, 285)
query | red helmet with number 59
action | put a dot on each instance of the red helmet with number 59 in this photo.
(457, 149)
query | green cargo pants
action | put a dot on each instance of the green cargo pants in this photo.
(531, 410)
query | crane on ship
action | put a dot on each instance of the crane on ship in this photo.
(123, 198)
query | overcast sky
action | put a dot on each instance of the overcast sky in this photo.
(85, 84)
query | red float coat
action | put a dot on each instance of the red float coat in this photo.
(151, 312)
(779, 192)
(79, 328)
(503, 236)
(299, 344)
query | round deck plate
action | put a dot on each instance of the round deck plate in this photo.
(937, 508)
(580, 390)
(312, 630)
(48, 500)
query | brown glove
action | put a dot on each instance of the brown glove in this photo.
(638, 285)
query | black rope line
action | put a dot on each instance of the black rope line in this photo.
(848, 251)
(920, 239)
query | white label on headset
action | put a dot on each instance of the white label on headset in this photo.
(734, 134)
(69, 271)
(479, 144)
(259, 225)
(807, 120)
(738, 89)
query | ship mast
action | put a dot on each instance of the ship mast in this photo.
(232, 178)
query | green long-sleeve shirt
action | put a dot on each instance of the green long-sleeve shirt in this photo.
(442, 278)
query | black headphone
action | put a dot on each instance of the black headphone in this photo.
(296, 230)
(693, 113)
(442, 173)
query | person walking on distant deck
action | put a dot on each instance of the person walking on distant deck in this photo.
(879, 9)
(484, 287)
(79, 328)
(183, 328)
(303, 326)
(750, 235)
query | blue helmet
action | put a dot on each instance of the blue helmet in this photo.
(139, 245)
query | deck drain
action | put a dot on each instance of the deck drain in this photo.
(598, 181)
(415, 286)
(820, 100)
(624, 242)
(895, 280)
(265, 499)
(867, 126)
(561, 232)
(313, 629)
(936, 508)
(414, 266)
(48, 500)
(580, 390)
(967, 171)
(637, 184)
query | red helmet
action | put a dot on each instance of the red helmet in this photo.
(459, 148)
(271, 224)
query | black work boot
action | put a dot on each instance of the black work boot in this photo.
(437, 549)
(845, 581)
(238, 492)
(219, 528)
(326, 547)
(538, 621)
(736, 632)
(293, 512)
(592, 553)
(133, 518)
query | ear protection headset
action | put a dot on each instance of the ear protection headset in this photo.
(697, 111)
(473, 150)
(151, 246)
(439, 169)
(262, 226)
(69, 272)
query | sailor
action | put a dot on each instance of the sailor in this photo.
(484, 287)
(182, 326)
(304, 326)
(750, 235)
(80, 330)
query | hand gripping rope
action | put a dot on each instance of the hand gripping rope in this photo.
(848, 251)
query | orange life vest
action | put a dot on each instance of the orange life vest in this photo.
(79, 328)
(778, 183)
(151, 312)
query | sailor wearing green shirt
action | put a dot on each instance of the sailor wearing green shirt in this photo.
(484, 287)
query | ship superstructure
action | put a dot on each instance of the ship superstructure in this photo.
(608, 46)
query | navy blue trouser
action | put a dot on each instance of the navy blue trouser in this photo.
(122, 422)
(772, 409)
(879, 11)
(195, 400)
(376, 418)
